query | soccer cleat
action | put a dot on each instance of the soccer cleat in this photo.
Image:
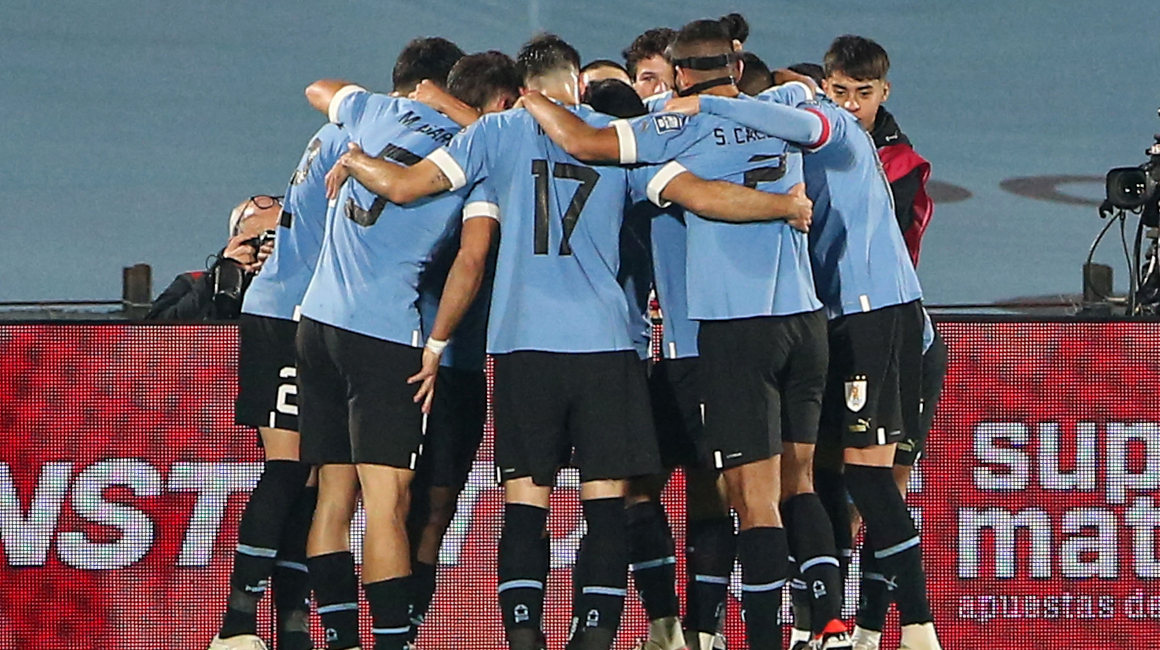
(920, 636)
(719, 641)
(799, 639)
(663, 634)
(835, 636)
(239, 642)
(700, 640)
(866, 639)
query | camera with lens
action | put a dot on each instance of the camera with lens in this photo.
(1133, 188)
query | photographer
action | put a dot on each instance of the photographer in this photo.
(216, 293)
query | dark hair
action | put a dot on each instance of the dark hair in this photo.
(755, 75)
(478, 78)
(697, 33)
(603, 63)
(652, 43)
(546, 53)
(856, 57)
(614, 97)
(736, 25)
(811, 70)
(424, 58)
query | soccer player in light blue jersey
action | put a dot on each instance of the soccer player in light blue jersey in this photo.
(456, 418)
(762, 332)
(272, 532)
(360, 337)
(872, 295)
(567, 379)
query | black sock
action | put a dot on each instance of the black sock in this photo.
(336, 592)
(259, 535)
(811, 542)
(895, 541)
(764, 556)
(653, 560)
(875, 600)
(523, 570)
(712, 547)
(390, 603)
(291, 579)
(831, 488)
(422, 591)
(600, 575)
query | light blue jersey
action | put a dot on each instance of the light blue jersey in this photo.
(669, 237)
(859, 257)
(556, 284)
(733, 270)
(367, 279)
(467, 349)
(277, 291)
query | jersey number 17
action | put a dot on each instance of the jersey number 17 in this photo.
(567, 171)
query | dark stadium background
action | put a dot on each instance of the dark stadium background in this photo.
(131, 127)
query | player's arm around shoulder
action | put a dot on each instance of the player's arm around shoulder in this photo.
(725, 201)
(580, 139)
(398, 184)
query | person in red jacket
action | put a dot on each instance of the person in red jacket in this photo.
(855, 78)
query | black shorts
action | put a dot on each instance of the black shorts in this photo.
(875, 377)
(267, 373)
(934, 373)
(591, 408)
(454, 428)
(763, 380)
(356, 405)
(675, 390)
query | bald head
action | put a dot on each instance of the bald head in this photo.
(255, 215)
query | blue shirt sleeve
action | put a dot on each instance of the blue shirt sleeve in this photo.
(465, 160)
(807, 127)
(656, 138)
(794, 93)
(481, 202)
(348, 105)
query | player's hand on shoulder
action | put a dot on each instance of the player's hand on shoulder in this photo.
(428, 92)
(339, 173)
(803, 208)
(690, 105)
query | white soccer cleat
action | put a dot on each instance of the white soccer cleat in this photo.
(663, 634)
(239, 642)
(700, 640)
(866, 639)
(799, 639)
(920, 636)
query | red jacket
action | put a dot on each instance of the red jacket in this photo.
(908, 174)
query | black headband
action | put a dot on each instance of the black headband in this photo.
(705, 62)
(705, 85)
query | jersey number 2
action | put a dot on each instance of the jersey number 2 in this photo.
(587, 177)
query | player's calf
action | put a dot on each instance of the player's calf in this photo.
(600, 575)
(259, 536)
(896, 546)
(523, 572)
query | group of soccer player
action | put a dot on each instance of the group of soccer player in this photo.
(481, 209)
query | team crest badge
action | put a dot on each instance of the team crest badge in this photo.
(856, 394)
(669, 122)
